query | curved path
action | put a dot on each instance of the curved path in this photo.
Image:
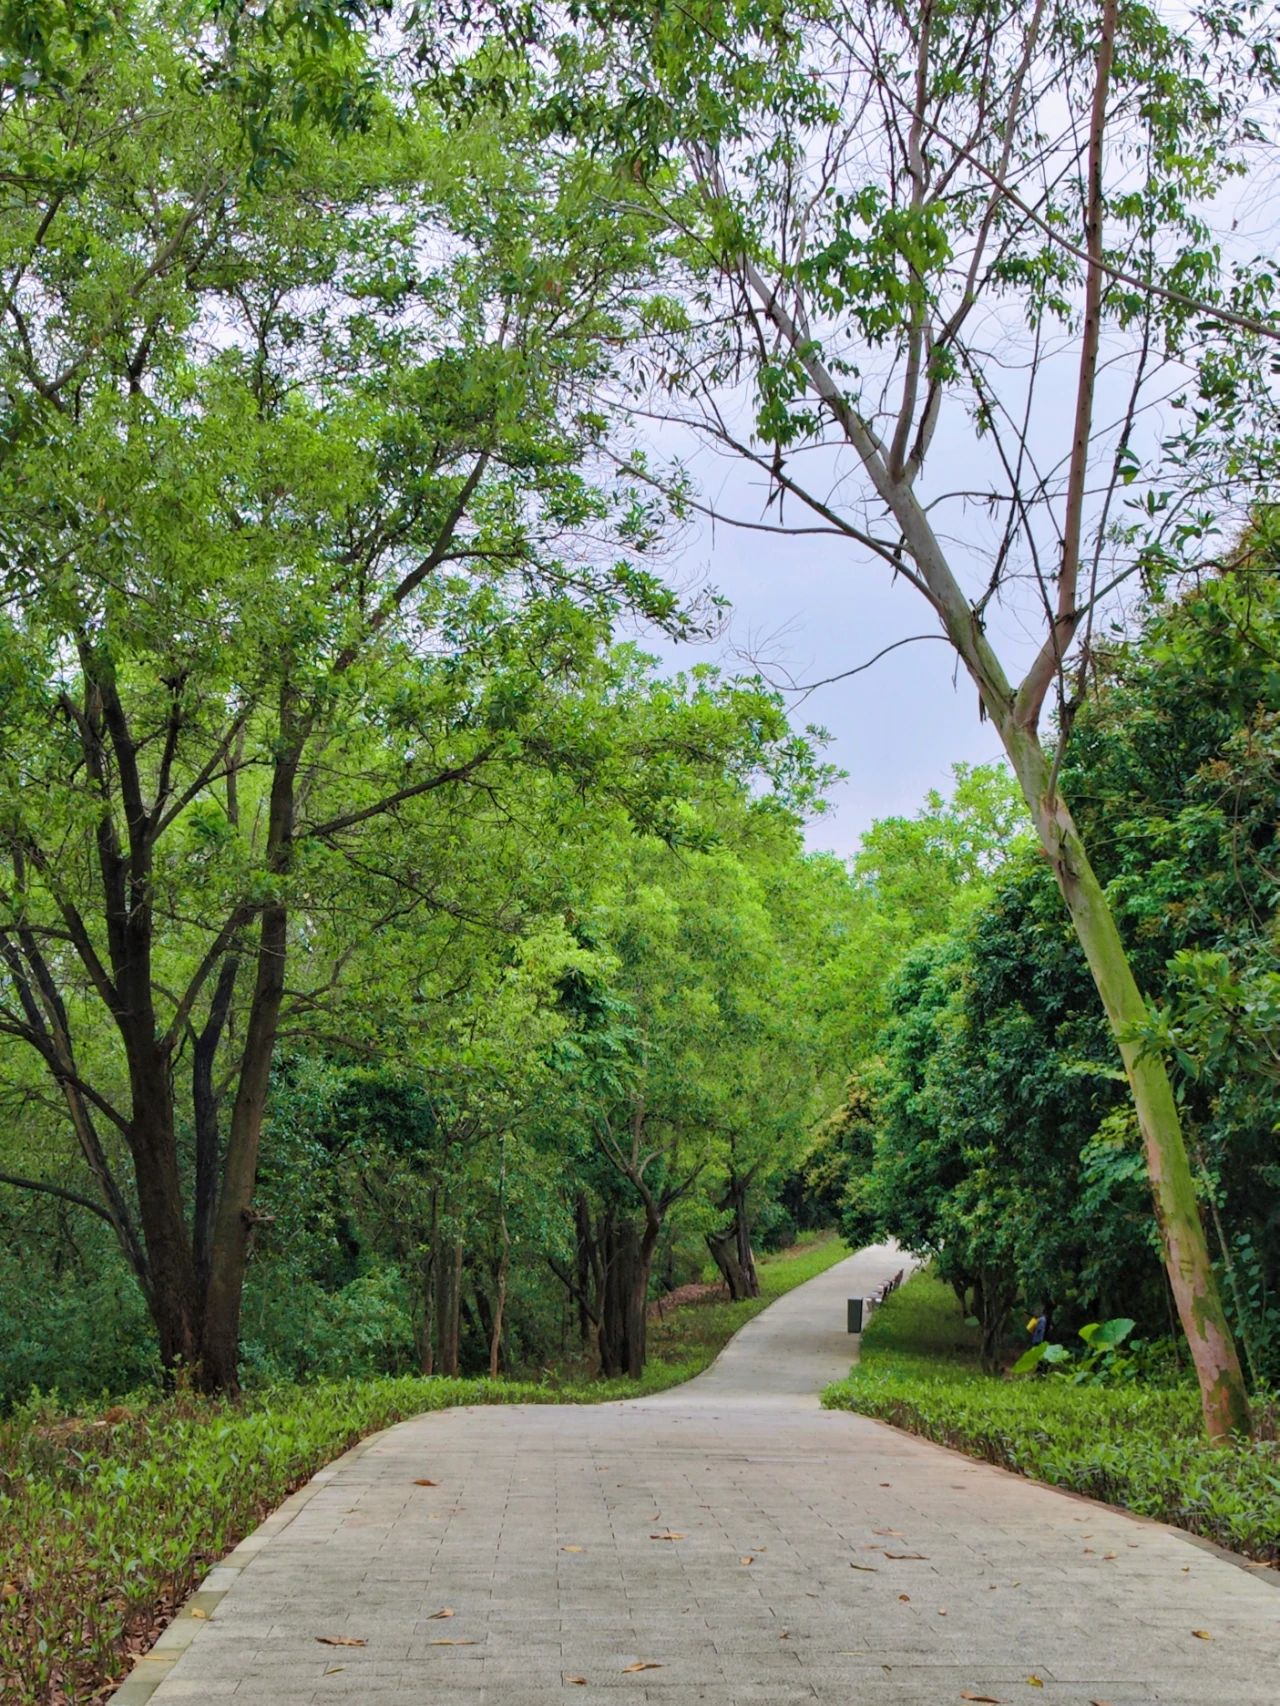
(739, 1542)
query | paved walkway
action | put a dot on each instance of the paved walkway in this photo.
(740, 1544)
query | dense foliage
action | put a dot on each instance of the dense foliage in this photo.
(996, 1132)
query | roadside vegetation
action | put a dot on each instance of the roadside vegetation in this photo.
(1130, 1437)
(109, 1517)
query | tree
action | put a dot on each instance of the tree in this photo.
(297, 544)
(863, 202)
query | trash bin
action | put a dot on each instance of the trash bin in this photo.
(855, 1314)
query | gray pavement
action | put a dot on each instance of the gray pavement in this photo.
(744, 1546)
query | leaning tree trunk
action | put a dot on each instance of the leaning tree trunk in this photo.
(1222, 1388)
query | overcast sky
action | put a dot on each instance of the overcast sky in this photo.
(811, 606)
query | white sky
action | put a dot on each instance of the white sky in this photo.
(812, 606)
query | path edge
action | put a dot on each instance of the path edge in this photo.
(1201, 1542)
(152, 1667)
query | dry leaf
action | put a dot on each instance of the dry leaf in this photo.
(342, 1640)
(573, 1548)
(334, 1670)
(202, 1615)
(886, 1483)
(575, 1681)
(1099, 1703)
(785, 1635)
(1035, 1682)
(426, 1483)
(1202, 1635)
(746, 1559)
(869, 1568)
(449, 1641)
(1108, 1555)
(896, 1533)
(446, 1611)
(901, 1555)
(641, 1664)
(986, 1699)
(667, 1536)
(905, 1598)
(1088, 1551)
(942, 1613)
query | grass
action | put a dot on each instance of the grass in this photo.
(108, 1521)
(1141, 1447)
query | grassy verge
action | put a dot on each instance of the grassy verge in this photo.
(1136, 1446)
(107, 1522)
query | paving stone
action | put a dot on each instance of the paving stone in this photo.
(740, 1462)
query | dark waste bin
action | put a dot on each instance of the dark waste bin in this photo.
(855, 1314)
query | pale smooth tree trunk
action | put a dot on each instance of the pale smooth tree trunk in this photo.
(1191, 1277)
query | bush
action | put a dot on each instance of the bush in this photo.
(1134, 1445)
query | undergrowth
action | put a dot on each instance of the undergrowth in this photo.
(1139, 1446)
(108, 1520)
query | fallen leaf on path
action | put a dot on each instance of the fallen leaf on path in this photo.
(869, 1568)
(668, 1536)
(1035, 1682)
(448, 1641)
(1107, 1555)
(785, 1635)
(746, 1559)
(886, 1483)
(900, 1555)
(942, 1613)
(575, 1681)
(202, 1615)
(573, 1548)
(1099, 1703)
(342, 1640)
(896, 1533)
(1202, 1635)
(334, 1670)
(641, 1664)
(445, 1611)
(426, 1483)
(1088, 1551)
(905, 1598)
(986, 1699)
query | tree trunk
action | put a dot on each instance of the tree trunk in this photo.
(449, 1306)
(624, 1303)
(1222, 1389)
(731, 1248)
(233, 1221)
(499, 1302)
(583, 1250)
(174, 1295)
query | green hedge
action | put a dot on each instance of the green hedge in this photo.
(1137, 1446)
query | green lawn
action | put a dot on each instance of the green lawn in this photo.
(107, 1521)
(1137, 1446)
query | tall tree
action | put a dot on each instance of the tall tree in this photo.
(894, 226)
(297, 537)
